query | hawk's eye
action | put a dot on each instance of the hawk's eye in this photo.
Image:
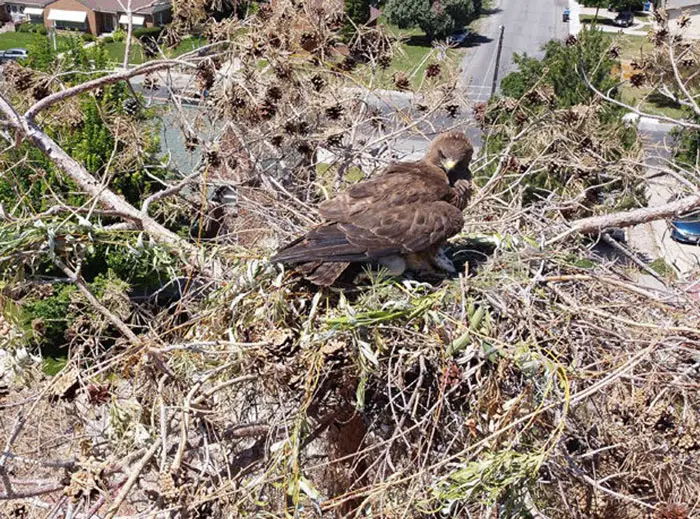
(441, 155)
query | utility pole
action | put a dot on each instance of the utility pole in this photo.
(498, 60)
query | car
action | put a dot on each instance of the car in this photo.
(686, 228)
(625, 19)
(14, 54)
(458, 37)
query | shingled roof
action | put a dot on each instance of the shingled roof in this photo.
(119, 6)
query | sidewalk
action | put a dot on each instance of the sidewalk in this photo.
(640, 28)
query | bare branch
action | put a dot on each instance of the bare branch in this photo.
(144, 69)
(596, 224)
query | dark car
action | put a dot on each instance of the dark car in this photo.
(624, 19)
(14, 54)
(686, 228)
(458, 37)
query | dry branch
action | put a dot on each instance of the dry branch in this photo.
(597, 224)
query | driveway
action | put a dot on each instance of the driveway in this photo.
(529, 24)
(653, 239)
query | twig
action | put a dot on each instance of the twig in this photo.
(133, 476)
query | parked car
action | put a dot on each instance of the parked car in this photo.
(624, 19)
(14, 54)
(458, 37)
(686, 228)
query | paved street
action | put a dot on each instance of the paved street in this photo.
(529, 24)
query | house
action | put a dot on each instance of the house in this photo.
(23, 11)
(104, 16)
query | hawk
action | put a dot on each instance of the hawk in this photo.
(399, 219)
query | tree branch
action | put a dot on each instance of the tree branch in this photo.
(146, 68)
(77, 172)
(596, 224)
(678, 122)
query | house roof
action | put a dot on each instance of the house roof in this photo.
(108, 6)
(681, 4)
(117, 6)
(28, 3)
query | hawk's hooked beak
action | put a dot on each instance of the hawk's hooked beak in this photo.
(449, 164)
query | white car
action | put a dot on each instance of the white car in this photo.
(14, 54)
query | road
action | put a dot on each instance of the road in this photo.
(653, 239)
(529, 24)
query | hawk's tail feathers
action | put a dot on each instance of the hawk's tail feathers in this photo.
(320, 273)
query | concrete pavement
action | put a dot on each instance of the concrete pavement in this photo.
(528, 26)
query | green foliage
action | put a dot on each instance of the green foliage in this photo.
(108, 39)
(141, 32)
(688, 153)
(37, 28)
(406, 13)
(86, 36)
(437, 23)
(436, 19)
(502, 477)
(357, 12)
(554, 89)
(560, 69)
(85, 59)
(41, 53)
(119, 35)
(50, 316)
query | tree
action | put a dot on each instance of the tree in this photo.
(437, 23)
(406, 13)
(438, 19)
(560, 69)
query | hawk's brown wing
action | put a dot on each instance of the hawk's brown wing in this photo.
(401, 212)
(400, 184)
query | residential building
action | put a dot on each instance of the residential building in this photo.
(23, 11)
(104, 16)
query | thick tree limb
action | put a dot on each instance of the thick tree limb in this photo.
(596, 224)
(77, 172)
(141, 70)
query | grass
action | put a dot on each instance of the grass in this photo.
(411, 58)
(12, 40)
(654, 104)
(633, 46)
(115, 50)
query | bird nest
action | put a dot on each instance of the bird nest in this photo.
(544, 384)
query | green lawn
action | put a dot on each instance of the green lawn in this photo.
(115, 50)
(412, 59)
(632, 46)
(653, 103)
(11, 40)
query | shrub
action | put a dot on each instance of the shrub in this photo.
(86, 36)
(108, 39)
(119, 35)
(143, 32)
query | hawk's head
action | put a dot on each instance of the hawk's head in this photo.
(452, 152)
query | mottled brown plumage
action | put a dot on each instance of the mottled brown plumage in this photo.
(399, 219)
